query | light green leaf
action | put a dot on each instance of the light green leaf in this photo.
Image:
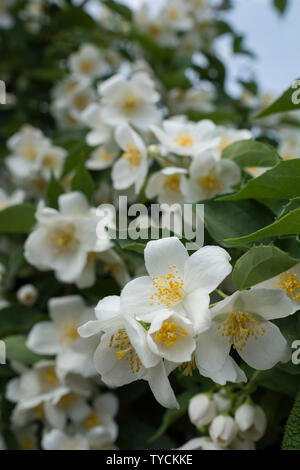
(259, 264)
(282, 104)
(16, 350)
(286, 225)
(280, 182)
(251, 153)
(17, 219)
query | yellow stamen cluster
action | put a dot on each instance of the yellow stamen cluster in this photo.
(238, 327)
(63, 240)
(210, 183)
(188, 367)
(66, 400)
(169, 333)
(92, 421)
(39, 412)
(169, 288)
(49, 377)
(124, 350)
(86, 66)
(184, 139)
(224, 143)
(30, 153)
(49, 161)
(133, 156)
(69, 333)
(172, 183)
(106, 156)
(129, 104)
(81, 101)
(290, 283)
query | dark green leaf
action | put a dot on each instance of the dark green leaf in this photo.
(291, 439)
(283, 103)
(83, 182)
(17, 219)
(54, 190)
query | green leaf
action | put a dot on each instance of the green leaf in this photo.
(83, 182)
(78, 153)
(116, 7)
(291, 438)
(172, 415)
(280, 182)
(251, 153)
(259, 264)
(280, 5)
(286, 225)
(279, 381)
(17, 219)
(54, 190)
(228, 219)
(18, 318)
(290, 206)
(16, 350)
(282, 104)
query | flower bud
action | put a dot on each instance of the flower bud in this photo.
(251, 421)
(223, 404)
(202, 410)
(27, 294)
(223, 430)
(200, 443)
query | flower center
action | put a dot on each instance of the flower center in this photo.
(184, 139)
(172, 183)
(238, 327)
(30, 153)
(69, 333)
(169, 288)
(49, 161)
(224, 143)
(129, 104)
(170, 333)
(124, 350)
(66, 400)
(92, 421)
(86, 66)
(287, 156)
(105, 155)
(290, 283)
(27, 443)
(64, 240)
(174, 15)
(49, 377)
(39, 412)
(210, 183)
(80, 102)
(133, 156)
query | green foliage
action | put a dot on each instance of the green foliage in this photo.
(16, 350)
(17, 219)
(249, 153)
(82, 181)
(282, 104)
(291, 440)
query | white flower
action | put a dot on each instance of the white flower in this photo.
(223, 430)
(130, 101)
(287, 282)
(65, 88)
(123, 354)
(186, 138)
(223, 403)
(27, 294)
(228, 372)
(63, 239)
(193, 99)
(242, 320)
(27, 437)
(131, 168)
(177, 15)
(171, 336)
(202, 410)
(27, 148)
(228, 136)
(58, 440)
(177, 281)
(100, 132)
(166, 184)
(251, 421)
(103, 156)
(289, 147)
(155, 27)
(59, 336)
(52, 161)
(17, 197)
(200, 443)
(88, 62)
(210, 176)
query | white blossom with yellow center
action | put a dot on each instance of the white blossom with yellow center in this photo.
(60, 336)
(177, 281)
(186, 138)
(242, 321)
(166, 185)
(87, 62)
(131, 168)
